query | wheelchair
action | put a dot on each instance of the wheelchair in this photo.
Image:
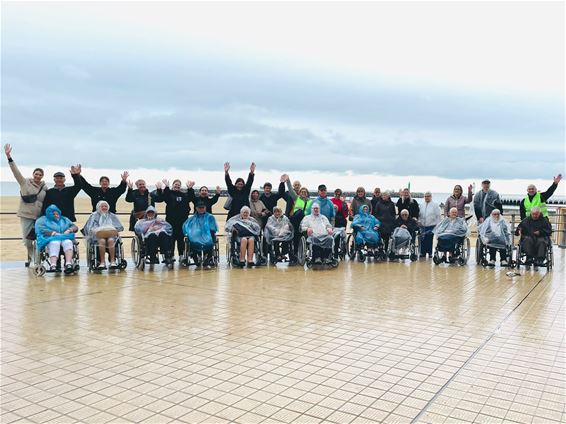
(340, 247)
(93, 256)
(460, 253)
(233, 249)
(362, 251)
(141, 257)
(305, 254)
(408, 250)
(285, 246)
(521, 258)
(482, 254)
(199, 258)
(43, 265)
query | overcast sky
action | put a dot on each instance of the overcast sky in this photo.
(442, 90)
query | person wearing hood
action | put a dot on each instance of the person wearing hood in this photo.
(359, 200)
(54, 232)
(485, 201)
(325, 205)
(177, 211)
(367, 228)
(156, 233)
(201, 229)
(384, 211)
(32, 194)
(247, 229)
(258, 210)
(449, 232)
(277, 231)
(102, 228)
(319, 233)
(495, 234)
(238, 191)
(538, 199)
(405, 201)
(458, 201)
(141, 199)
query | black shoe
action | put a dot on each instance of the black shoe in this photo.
(26, 264)
(69, 269)
(317, 261)
(154, 260)
(251, 265)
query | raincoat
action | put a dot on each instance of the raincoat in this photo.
(244, 226)
(278, 229)
(368, 235)
(495, 234)
(198, 229)
(47, 224)
(451, 227)
(100, 221)
(319, 224)
(146, 227)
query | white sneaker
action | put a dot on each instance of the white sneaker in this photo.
(113, 264)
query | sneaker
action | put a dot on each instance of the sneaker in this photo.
(318, 261)
(251, 264)
(101, 266)
(504, 263)
(113, 264)
(69, 269)
(26, 264)
(491, 262)
(52, 268)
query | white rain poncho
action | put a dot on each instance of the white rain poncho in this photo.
(451, 227)
(146, 227)
(246, 227)
(278, 229)
(100, 220)
(495, 233)
(320, 225)
(401, 238)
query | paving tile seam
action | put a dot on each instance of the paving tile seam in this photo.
(476, 351)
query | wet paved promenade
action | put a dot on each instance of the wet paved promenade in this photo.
(387, 342)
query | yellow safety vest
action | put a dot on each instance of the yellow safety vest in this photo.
(529, 204)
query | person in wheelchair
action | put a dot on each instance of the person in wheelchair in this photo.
(450, 232)
(319, 232)
(102, 228)
(200, 229)
(54, 232)
(535, 231)
(404, 234)
(278, 234)
(245, 231)
(157, 236)
(494, 234)
(366, 229)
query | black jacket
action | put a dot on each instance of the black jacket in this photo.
(208, 201)
(141, 203)
(271, 201)
(96, 194)
(411, 205)
(529, 225)
(385, 212)
(240, 198)
(410, 223)
(63, 198)
(178, 204)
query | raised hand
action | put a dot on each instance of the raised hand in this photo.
(158, 185)
(130, 184)
(79, 168)
(8, 150)
(252, 167)
(190, 184)
(125, 176)
(218, 191)
(470, 187)
(165, 182)
(226, 167)
(73, 170)
(557, 178)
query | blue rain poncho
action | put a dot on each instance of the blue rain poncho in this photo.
(198, 230)
(278, 229)
(48, 224)
(495, 233)
(368, 235)
(146, 227)
(451, 227)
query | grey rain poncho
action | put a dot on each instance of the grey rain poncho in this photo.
(401, 238)
(100, 221)
(242, 225)
(495, 233)
(451, 227)
(278, 229)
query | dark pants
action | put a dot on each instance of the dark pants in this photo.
(493, 251)
(447, 243)
(535, 247)
(161, 241)
(319, 252)
(280, 248)
(385, 237)
(426, 241)
(177, 237)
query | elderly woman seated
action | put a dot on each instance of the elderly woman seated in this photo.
(405, 231)
(319, 233)
(449, 232)
(54, 231)
(278, 231)
(494, 233)
(102, 228)
(200, 230)
(245, 230)
(366, 228)
(156, 234)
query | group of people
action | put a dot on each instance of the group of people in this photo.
(49, 216)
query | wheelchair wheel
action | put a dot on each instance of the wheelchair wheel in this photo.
(302, 251)
(39, 270)
(351, 246)
(550, 258)
(343, 249)
(90, 257)
(479, 251)
(137, 257)
(465, 253)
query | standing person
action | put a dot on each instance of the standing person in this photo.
(359, 200)
(384, 211)
(407, 202)
(62, 196)
(105, 192)
(291, 194)
(269, 198)
(239, 191)
(326, 206)
(458, 201)
(208, 201)
(32, 194)
(429, 217)
(536, 198)
(301, 208)
(376, 197)
(485, 201)
(141, 199)
(177, 211)
(341, 209)
(258, 211)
